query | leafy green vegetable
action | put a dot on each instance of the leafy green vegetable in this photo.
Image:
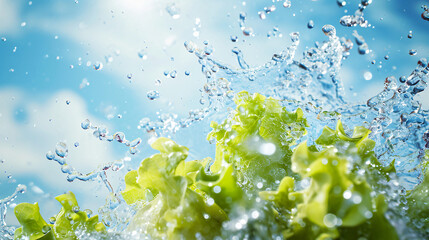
(68, 220)
(257, 139)
(182, 202)
(338, 201)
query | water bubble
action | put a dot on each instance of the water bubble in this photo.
(50, 155)
(233, 38)
(98, 66)
(386, 57)
(412, 52)
(247, 31)
(52, 220)
(287, 4)
(61, 149)
(310, 24)
(367, 75)
(259, 185)
(152, 95)
(85, 124)
(3, 39)
(329, 30)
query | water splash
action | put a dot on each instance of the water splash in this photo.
(6, 232)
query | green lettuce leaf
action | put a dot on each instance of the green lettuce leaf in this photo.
(257, 139)
(338, 202)
(67, 221)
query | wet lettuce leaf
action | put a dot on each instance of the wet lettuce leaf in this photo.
(257, 139)
(68, 221)
(338, 202)
(177, 199)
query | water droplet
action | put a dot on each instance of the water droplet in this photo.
(367, 75)
(190, 46)
(173, 11)
(61, 149)
(347, 194)
(410, 35)
(242, 16)
(129, 75)
(262, 15)
(402, 79)
(386, 57)
(425, 15)
(46, 229)
(233, 38)
(68, 102)
(98, 66)
(366, 2)
(187, 73)
(85, 124)
(208, 49)
(88, 212)
(50, 155)
(52, 220)
(247, 31)
(413, 52)
(173, 74)
(23, 24)
(330, 220)
(217, 189)
(75, 209)
(3, 39)
(259, 185)
(294, 37)
(287, 4)
(329, 30)
(363, 49)
(152, 95)
(76, 144)
(341, 3)
(310, 24)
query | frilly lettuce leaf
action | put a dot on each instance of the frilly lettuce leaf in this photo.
(68, 220)
(257, 139)
(337, 201)
(178, 199)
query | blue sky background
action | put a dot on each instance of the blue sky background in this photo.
(51, 46)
